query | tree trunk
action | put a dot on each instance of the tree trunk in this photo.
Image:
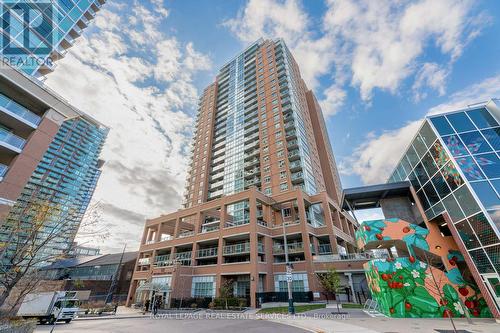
(5, 294)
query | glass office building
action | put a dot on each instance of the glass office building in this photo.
(34, 34)
(453, 164)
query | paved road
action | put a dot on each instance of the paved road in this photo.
(148, 325)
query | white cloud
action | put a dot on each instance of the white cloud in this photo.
(142, 88)
(334, 99)
(431, 75)
(367, 44)
(375, 159)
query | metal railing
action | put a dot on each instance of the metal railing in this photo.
(183, 255)
(186, 234)
(292, 248)
(143, 261)
(240, 248)
(324, 249)
(203, 253)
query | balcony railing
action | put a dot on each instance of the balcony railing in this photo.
(241, 248)
(204, 253)
(3, 170)
(143, 261)
(292, 248)
(324, 249)
(12, 107)
(183, 255)
(208, 228)
(260, 248)
(11, 139)
(341, 257)
(186, 234)
(163, 260)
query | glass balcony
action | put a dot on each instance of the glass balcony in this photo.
(260, 248)
(341, 257)
(241, 248)
(183, 255)
(11, 139)
(3, 170)
(186, 234)
(206, 253)
(292, 248)
(209, 228)
(324, 249)
(143, 261)
(163, 260)
(10, 107)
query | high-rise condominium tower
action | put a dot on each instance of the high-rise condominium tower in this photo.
(37, 33)
(262, 168)
(49, 150)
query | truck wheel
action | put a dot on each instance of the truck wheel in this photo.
(42, 321)
(52, 320)
(67, 321)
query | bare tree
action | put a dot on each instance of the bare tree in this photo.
(27, 239)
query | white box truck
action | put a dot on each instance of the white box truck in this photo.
(50, 307)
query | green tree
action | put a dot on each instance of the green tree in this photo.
(226, 290)
(330, 281)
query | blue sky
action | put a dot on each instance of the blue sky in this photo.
(377, 67)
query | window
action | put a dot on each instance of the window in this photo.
(203, 286)
(267, 169)
(286, 212)
(455, 146)
(267, 180)
(279, 143)
(486, 194)
(299, 283)
(280, 153)
(282, 174)
(442, 125)
(268, 191)
(493, 137)
(490, 164)
(266, 159)
(482, 118)
(469, 168)
(475, 142)
(284, 186)
(281, 163)
(460, 122)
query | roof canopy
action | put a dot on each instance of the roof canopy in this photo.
(367, 197)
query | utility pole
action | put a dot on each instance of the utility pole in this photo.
(289, 276)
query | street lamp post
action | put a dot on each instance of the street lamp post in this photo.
(289, 276)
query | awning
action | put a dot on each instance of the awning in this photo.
(148, 286)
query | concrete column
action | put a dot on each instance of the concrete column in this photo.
(351, 284)
(254, 258)
(220, 249)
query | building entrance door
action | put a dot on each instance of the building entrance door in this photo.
(493, 284)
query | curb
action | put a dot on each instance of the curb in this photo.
(110, 317)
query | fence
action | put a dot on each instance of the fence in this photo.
(278, 296)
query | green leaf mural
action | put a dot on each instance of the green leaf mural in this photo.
(399, 285)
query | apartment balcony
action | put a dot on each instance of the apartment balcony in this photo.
(209, 227)
(292, 144)
(295, 166)
(216, 194)
(13, 113)
(252, 145)
(143, 261)
(252, 163)
(184, 234)
(3, 170)
(11, 142)
(163, 260)
(293, 155)
(236, 249)
(183, 255)
(297, 177)
(252, 181)
(251, 138)
(207, 253)
(252, 173)
(342, 257)
(252, 129)
(292, 248)
(252, 154)
(260, 248)
(291, 134)
(217, 186)
(324, 249)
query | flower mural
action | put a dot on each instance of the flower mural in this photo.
(408, 286)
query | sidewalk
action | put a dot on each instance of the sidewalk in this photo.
(121, 313)
(382, 325)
